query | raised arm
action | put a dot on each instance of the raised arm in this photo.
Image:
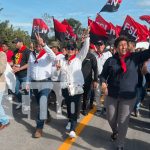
(84, 50)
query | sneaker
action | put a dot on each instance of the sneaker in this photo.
(72, 134)
(38, 133)
(68, 126)
(84, 112)
(98, 113)
(18, 106)
(137, 113)
(2, 126)
(114, 136)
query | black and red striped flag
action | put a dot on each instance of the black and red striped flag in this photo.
(108, 26)
(111, 6)
(96, 32)
(40, 27)
(60, 30)
(71, 34)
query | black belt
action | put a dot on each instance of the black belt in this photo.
(44, 80)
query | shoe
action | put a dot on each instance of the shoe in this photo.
(48, 120)
(114, 136)
(72, 134)
(98, 113)
(38, 133)
(84, 112)
(2, 126)
(137, 113)
(68, 126)
(91, 106)
(18, 106)
(120, 148)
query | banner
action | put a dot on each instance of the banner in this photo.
(96, 32)
(145, 18)
(111, 6)
(39, 26)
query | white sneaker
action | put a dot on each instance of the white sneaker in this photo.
(68, 126)
(18, 105)
(72, 134)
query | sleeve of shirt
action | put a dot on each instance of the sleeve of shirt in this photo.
(140, 57)
(105, 72)
(84, 50)
(50, 53)
(27, 55)
(94, 67)
(29, 71)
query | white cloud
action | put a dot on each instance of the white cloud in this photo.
(144, 3)
(21, 24)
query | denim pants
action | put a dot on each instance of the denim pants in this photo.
(41, 94)
(3, 117)
(19, 82)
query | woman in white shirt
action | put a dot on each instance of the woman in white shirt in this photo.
(71, 80)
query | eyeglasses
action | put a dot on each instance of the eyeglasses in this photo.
(70, 48)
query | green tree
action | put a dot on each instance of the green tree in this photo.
(8, 33)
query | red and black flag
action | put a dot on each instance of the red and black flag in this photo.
(133, 30)
(108, 26)
(71, 34)
(96, 32)
(39, 26)
(111, 6)
(145, 18)
(61, 32)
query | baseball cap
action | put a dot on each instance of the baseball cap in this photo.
(16, 40)
(100, 42)
(54, 44)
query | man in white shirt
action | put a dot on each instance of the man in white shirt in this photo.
(39, 73)
(101, 57)
(55, 46)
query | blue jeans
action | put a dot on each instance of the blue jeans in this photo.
(3, 117)
(140, 94)
(19, 82)
(42, 100)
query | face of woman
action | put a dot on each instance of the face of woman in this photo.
(71, 52)
(122, 48)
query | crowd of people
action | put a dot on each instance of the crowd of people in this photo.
(112, 76)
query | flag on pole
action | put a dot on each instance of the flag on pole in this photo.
(40, 27)
(96, 32)
(60, 30)
(133, 30)
(111, 6)
(145, 18)
(71, 34)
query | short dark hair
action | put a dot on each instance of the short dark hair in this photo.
(5, 42)
(119, 39)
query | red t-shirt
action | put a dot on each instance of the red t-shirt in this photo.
(9, 55)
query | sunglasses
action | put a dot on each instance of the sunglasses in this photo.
(70, 48)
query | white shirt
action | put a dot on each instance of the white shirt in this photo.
(59, 57)
(101, 60)
(70, 73)
(41, 70)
